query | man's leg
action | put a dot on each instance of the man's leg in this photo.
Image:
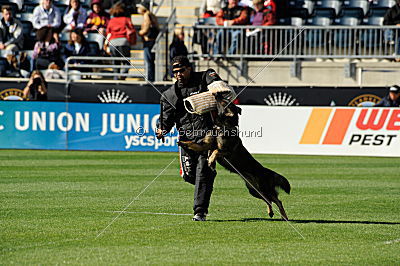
(187, 161)
(235, 35)
(218, 42)
(204, 185)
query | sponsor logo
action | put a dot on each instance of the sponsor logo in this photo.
(328, 126)
(114, 96)
(365, 100)
(280, 99)
(12, 95)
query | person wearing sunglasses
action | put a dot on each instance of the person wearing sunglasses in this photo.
(194, 167)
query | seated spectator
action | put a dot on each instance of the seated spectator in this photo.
(210, 8)
(75, 16)
(98, 19)
(11, 35)
(119, 29)
(177, 46)
(231, 15)
(54, 72)
(264, 14)
(46, 49)
(392, 99)
(36, 89)
(77, 46)
(47, 15)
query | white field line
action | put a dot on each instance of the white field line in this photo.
(155, 213)
(389, 242)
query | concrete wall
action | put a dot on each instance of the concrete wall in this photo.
(310, 73)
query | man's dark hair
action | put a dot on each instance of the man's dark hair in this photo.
(8, 8)
(181, 60)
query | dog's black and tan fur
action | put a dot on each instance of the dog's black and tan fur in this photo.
(225, 146)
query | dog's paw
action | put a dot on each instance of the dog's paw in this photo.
(271, 214)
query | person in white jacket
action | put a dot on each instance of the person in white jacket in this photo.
(46, 15)
(75, 16)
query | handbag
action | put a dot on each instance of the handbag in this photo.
(130, 32)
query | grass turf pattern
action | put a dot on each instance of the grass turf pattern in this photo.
(55, 203)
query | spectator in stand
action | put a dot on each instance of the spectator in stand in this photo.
(231, 15)
(11, 35)
(177, 46)
(47, 15)
(392, 17)
(392, 99)
(54, 72)
(246, 3)
(120, 35)
(75, 16)
(98, 19)
(77, 46)
(264, 14)
(149, 32)
(210, 8)
(46, 49)
(36, 89)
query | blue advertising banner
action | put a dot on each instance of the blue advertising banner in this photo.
(82, 126)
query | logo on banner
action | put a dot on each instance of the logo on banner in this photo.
(12, 95)
(280, 99)
(114, 96)
(327, 126)
(365, 100)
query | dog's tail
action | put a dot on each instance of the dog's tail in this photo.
(282, 182)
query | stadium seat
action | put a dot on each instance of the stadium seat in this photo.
(3, 66)
(350, 17)
(374, 20)
(13, 6)
(332, 6)
(318, 38)
(296, 21)
(303, 9)
(384, 3)
(360, 5)
(30, 5)
(96, 38)
(29, 35)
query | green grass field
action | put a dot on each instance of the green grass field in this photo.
(55, 203)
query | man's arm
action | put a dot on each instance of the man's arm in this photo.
(57, 17)
(167, 118)
(242, 19)
(36, 18)
(381, 103)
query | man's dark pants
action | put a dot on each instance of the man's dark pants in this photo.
(195, 170)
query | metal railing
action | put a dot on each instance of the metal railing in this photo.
(288, 42)
(161, 47)
(95, 66)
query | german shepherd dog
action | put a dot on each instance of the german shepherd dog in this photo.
(225, 147)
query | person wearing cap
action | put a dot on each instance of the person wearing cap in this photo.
(98, 19)
(392, 99)
(148, 31)
(194, 167)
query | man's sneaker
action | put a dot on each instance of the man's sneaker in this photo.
(199, 217)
